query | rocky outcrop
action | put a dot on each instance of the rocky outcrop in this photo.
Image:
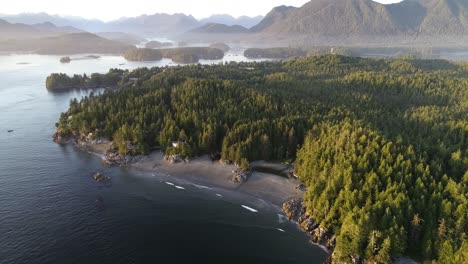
(301, 187)
(215, 156)
(225, 162)
(99, 177)
(113, 158)
(241, 176)
(295, 210)
(175, 158)
(58, 138)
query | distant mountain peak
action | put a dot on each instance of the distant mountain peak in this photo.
(230, 20)
(346, 18)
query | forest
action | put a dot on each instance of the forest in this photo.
(381, 144)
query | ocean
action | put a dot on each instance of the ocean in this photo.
(52, 211)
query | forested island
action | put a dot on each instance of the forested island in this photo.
(157, 45)
(143, 55)
(274, 53)
(381, 145)
(180, 55)
(222, 46)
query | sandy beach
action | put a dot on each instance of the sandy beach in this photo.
(202, 171)
(266, 186)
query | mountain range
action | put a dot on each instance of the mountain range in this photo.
(156, 25)
(366, 19)
(24, 31)
(318, 22)
(229, 20)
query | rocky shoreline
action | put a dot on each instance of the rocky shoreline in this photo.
(287, 192)
(295, 210)
(108, 152)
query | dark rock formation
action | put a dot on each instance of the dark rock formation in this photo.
(296, 211)
(225, 162)
(241, 176)
(99, 177)
(301, 187)
(176, 158)
(58, 138)
(215, 156)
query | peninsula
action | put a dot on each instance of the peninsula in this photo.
(379, 144)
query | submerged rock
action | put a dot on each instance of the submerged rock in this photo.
(99, 177)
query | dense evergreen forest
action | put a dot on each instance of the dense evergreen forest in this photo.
(382, 145)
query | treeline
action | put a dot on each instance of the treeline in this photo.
(57, 82)
(381, 144)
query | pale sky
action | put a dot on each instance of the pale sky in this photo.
(112, 9)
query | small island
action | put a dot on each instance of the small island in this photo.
(221, 46)
(65, 59)
(274, 53)
(158, 45)
(143, 55)
(179, 55)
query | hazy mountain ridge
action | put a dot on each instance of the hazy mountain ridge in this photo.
(229, 20)
(366, 17)
(74, 43)
(93, 25)
(23, 31)
(318, 22)
(122, 37)
(156, 25)
(220, 28)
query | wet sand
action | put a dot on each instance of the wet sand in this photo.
(202, 171)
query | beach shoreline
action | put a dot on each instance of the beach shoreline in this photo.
(203, 171)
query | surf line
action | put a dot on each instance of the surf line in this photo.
(250, 209)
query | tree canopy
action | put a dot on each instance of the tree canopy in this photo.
(382, 145)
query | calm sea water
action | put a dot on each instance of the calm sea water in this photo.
(51, 211)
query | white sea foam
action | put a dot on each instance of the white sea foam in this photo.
(249, 208)
(170, 183)
(180, 187)
(202, 186)
(281, 218)
(279, 229)
(219, 195)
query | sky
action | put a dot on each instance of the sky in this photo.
(113, 9)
